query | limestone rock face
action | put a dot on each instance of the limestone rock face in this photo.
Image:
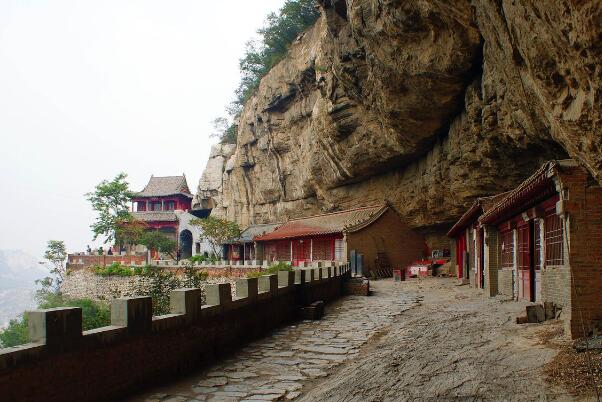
(425, 104)
(211, 184)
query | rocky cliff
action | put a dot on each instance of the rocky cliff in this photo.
(425, 104)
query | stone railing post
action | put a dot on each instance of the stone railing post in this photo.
(218, 294)
(247, 287)
(286, 278)
(317, 274)
(268, 283)
(55, 326)
(134, 313)
(187, 302)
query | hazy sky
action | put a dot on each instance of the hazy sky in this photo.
(92, 88)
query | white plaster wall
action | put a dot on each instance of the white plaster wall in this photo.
(184, 219)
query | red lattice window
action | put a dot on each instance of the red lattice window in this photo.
(283, 250)
(270, 251)
(322, 250)
(508, 249)
(554, 239)
(537, 244)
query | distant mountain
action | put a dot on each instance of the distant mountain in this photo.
(19, 270)
(18, 273)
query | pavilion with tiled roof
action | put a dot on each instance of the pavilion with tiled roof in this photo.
(164, 205)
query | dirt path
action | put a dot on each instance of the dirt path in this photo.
(457, 345)
(414, 340)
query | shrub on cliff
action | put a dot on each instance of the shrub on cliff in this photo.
(280, 30)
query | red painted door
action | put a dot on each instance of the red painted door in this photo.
(301, 251)
(525, 261)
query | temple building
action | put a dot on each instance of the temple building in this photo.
(165, 205)
(245, 248)
(541, 243)
(373, 237)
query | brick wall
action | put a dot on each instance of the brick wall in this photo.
(388, 234)
(584, 210)
(556, 287)
(505, 282)
(492, 260)
(78, 261)
(139, 350)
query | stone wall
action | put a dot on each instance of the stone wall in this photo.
(138, 350)
(84, 283)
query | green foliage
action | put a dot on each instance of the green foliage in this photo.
(273, 269)
(130, 231)
(157, 241)
(158, 285)
(55, 255)
(217, 231)
(94, 314)
(225, 130)
(116, 269)
(17, 333)
(192, 276)
(280, 30)
(110, 200)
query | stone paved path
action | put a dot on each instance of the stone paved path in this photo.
(278, 367)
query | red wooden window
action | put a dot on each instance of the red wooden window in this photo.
(508, 249)
(270, 251)
(537, 244)
(322, 249)
(554, 239)
(283, 250)
(524, 262)
(301, 250)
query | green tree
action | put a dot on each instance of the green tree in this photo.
(224, 130)
(157, 241)
(16, 333)
(110, 200)
(280, 31)
(158, 284)
(55, 256)
(130, 231)
(217, 231)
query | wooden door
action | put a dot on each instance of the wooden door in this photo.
(301, 251)
(525, 261)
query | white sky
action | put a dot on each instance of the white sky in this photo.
(92, 88)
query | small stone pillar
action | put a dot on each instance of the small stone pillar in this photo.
(134, 313)
(218, 294)
(298, 275)
(247, 287)
(55, 326)
(317, 274)
(286, 278)
(186, 301)
(268, 283)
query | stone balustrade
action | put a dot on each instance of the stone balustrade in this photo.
(138, 349)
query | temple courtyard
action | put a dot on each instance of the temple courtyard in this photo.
(422, 339)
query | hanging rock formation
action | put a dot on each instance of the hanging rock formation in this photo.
(424, 104)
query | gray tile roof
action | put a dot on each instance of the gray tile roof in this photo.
(164, 186)
(251, 231)
(155, 216)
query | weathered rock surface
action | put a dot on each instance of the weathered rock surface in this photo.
(423, 104)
